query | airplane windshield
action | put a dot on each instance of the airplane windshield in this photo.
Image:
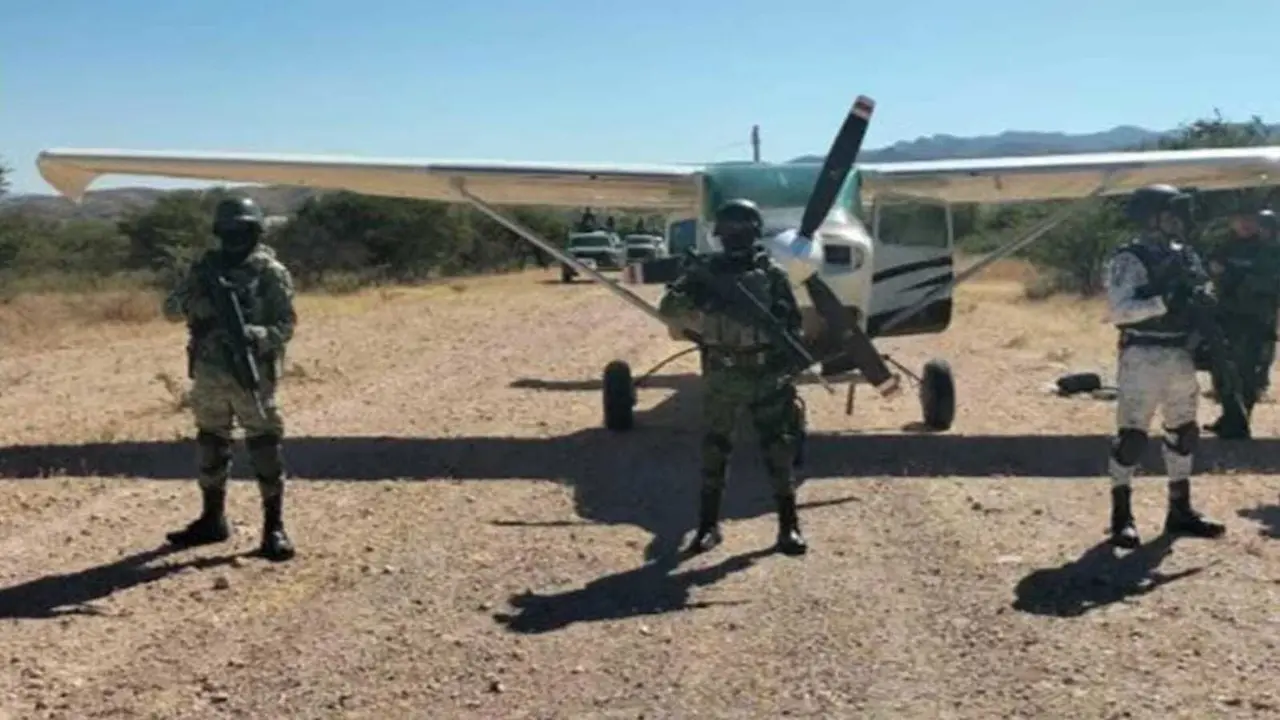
(768, 185)
(779, 190)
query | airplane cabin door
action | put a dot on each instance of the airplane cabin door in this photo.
(913, 257)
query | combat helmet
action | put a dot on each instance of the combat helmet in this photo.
(739, 225)
(238, 222)
(1146, 204)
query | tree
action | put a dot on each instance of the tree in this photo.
(169, 234)
(5, 171)
(1074, 252)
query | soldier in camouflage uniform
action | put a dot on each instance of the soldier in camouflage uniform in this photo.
(1269, 226)
(1148, 284)
(742, 370)
(265, 288)
(1246, 271)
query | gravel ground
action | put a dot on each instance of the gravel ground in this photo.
(473, 544)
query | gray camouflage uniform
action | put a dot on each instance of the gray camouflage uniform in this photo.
(1146, 282)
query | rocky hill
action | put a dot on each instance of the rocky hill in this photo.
(283, 200)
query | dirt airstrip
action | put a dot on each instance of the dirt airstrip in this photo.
(473, 544)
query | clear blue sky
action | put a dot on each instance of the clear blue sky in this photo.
(654, 81)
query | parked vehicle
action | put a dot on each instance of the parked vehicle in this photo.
(598, 249)
(643, 246)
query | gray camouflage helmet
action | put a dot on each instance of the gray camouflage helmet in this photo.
(1147, 203)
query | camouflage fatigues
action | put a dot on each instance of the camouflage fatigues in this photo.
(1247, 277)
(1158, 295)
(743, 372)
(1156, 367)
(265, 289)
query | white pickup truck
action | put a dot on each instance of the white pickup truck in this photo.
(598, 249)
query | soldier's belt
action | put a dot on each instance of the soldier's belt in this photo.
(1131, 339)
(739, 357)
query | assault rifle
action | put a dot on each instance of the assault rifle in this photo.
(239, 350)
(1201, 308)
(725, 294)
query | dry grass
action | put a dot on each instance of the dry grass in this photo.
(48, 318)
(474, 545)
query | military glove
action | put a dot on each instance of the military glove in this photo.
(257, 337)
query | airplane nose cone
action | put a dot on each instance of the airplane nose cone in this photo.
(794, 252)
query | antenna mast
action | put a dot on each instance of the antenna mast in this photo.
(755, 143)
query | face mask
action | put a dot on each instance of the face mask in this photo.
(238, 241)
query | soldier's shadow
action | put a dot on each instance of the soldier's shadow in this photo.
(53, 596)
(1268, 516)
(649, 589)
(1100, 577)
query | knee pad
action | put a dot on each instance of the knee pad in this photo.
(215, 452)
(1182, 439)
(1128, 445)
(265, 452)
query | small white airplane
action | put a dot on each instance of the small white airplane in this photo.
(872, 246)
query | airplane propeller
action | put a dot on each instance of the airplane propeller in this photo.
(853, 346)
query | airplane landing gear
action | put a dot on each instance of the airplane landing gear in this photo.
(937, 395)
(619, 396)
(619, 390)
(937, 388)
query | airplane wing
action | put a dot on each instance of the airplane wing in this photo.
(665, 187)
(1062, 177)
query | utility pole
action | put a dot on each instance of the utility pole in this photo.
(755, 143)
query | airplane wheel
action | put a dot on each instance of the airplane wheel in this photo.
(619, 396)
(566, 274)
(937, 395)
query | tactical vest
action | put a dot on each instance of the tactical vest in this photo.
(721, 331)
(1169, 329)
(208, 333)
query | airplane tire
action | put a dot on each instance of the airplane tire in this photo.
(619, 396)
(937, 395)
(566, 274)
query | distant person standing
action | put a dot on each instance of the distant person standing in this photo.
(1269, 224)
(242, 265)
(1246, 271)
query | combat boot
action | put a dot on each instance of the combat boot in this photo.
(1182, 519)
(211, 527)
(1231, 425)
(276, 544)
(1124, 534)
(708, 535)
(790, 541)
